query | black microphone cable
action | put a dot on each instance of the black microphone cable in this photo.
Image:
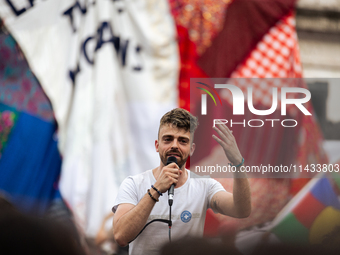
(169, 222)
(161, 220)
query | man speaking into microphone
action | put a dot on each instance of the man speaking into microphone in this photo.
(144, 197)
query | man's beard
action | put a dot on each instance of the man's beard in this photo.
(180, 163)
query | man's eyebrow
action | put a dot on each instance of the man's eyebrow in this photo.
(167, 136)
(180, 137)
(184, 137)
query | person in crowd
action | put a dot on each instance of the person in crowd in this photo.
(23, 234)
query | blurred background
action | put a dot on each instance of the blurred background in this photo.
(84, 83)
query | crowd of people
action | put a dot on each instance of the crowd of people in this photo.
(23, 234)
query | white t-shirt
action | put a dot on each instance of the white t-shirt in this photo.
(191, 202)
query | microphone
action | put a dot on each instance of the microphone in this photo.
(171, 190)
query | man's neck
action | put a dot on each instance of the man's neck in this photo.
(181, 180)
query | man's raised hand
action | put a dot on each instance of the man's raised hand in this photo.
(227, 140)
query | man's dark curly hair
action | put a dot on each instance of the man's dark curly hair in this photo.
(181, 119)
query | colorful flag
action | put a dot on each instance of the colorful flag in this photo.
(249, 39)
(29, 159)
(313, 213)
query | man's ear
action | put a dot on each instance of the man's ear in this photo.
(156, 145)
(192, 149)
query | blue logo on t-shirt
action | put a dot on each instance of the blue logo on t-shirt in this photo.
(186, 216)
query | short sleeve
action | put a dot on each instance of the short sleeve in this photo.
(213, 187)
(127, 194)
